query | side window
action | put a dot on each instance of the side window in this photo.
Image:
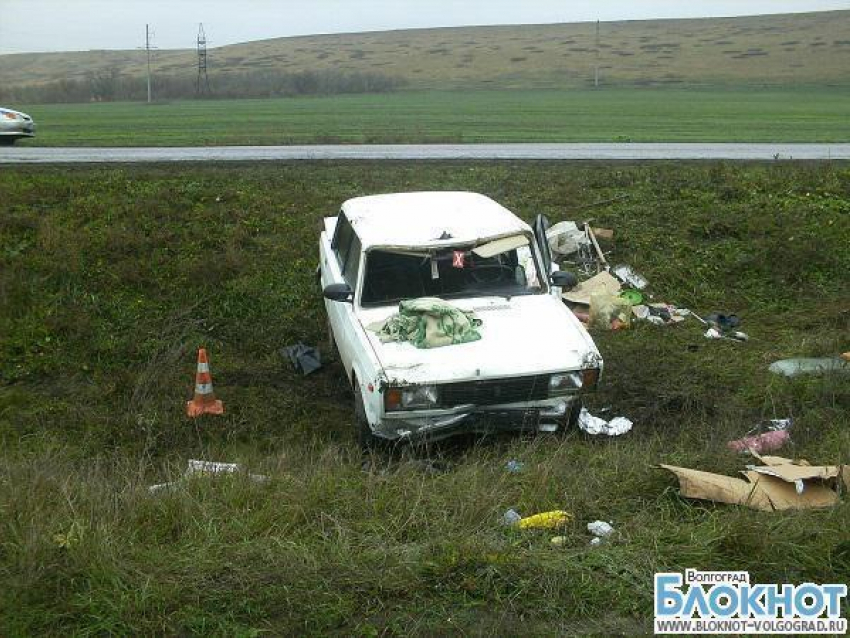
(342, 240)
(352, 262)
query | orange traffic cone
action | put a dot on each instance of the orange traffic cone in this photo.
(204, 401)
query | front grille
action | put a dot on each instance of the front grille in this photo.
(495, 391)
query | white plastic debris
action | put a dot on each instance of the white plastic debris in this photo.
(595, 425)
(714, 333)
(206, 468)
(210, 468)
(600, 528)
(595, 541)
(511, 517)
(823, 365)
(630, 277)
(780, 424)
(565, 238)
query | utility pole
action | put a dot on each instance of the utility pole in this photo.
(596, 70)
(203, 84)
(148, 50)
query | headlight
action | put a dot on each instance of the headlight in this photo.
(10, 116)
(564, 383)
(411, 398)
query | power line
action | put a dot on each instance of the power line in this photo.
(148, 50)
(148, 47)
(596, 69)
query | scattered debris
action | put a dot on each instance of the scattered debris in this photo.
(599, 254)
(204, 401)
(628, 276)
(765, 437)
(197, 468)
(634, 297)
(546, 520)
(305, 359)
(514, 466)
(581, 294)
(603, 233)
(778, 484)
(609, 311)
(511, 517)
(724, 323)
(565, 238)
(780, 424)
(822, 365)
(595, 425)
(714, 333)
(558, 541)
(722, 326)
(661, 314)
(760, 443)
(600, 529)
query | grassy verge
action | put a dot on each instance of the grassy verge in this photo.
(110, 277)
(802, 114)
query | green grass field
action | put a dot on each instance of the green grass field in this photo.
(638, 115)
(110, 277)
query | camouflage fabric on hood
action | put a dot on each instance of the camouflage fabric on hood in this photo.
(429, 322)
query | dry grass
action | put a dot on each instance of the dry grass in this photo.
(812, 49)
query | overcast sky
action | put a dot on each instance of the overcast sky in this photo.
(70, 25)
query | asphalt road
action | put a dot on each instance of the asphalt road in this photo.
(23, 154)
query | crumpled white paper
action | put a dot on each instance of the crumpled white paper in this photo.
(595, 425)
(600, 528)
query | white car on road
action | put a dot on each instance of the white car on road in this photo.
(14, 125)
(534, 359)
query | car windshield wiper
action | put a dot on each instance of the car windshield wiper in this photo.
(488, 293)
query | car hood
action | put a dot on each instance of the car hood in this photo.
(525, 335)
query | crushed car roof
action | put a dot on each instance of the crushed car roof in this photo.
(431, 218)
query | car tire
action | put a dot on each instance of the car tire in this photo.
(365, 439)
(7, 141)
(573, 414)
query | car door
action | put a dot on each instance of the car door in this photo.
(541, 225)
(346, 252)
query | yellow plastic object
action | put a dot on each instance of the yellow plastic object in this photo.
(546, 520)
(609, 311)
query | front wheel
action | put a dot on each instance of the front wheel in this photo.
(365, 439)
(572, 415)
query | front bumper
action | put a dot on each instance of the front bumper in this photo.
(431, 425)
(17, 128)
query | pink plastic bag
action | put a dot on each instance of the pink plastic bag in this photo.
(760, 443)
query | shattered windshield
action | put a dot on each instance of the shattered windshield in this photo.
(504, 267)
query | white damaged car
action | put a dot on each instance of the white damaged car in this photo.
(533, 360)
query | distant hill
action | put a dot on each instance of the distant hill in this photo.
(809, 48)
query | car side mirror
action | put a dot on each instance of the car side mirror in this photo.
(563, 279)
(338, 292)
